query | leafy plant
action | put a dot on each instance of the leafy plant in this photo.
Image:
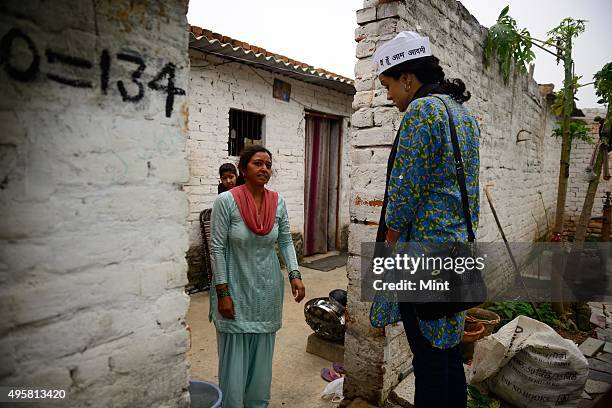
(603, 88)
(511, 45)
(558, 106)
(564, 32)
(577, 131)
(478, 400)
(510, 310)
(603, 84)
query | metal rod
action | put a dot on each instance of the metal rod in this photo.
(311, 112)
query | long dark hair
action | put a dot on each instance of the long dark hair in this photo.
(428, 71)
(245, 157)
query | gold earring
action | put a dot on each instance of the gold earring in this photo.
(407, 86)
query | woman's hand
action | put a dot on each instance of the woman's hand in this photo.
(298, 289)
(225, 305)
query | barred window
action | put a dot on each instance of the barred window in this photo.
(245, 129)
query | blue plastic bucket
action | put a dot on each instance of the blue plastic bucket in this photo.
(204, 394)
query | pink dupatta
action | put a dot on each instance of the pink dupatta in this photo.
(248, 209)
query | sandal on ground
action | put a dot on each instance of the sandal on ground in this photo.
(329, 375)
(339, 367)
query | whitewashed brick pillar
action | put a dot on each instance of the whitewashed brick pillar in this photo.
(93, 118)
(375, 358)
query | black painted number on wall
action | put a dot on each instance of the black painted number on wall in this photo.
(170, 89)
(104, 71)
(6, 48)
(14, 40)
(134, 59)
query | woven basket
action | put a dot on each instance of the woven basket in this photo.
(486, 317)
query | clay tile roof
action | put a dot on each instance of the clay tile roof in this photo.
(208, 41)
(546, 89)
(196, 30)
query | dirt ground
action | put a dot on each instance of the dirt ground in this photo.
(296, 374)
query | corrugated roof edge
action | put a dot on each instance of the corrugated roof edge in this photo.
(259, 52)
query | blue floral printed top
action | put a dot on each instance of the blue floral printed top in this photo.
(424, 200)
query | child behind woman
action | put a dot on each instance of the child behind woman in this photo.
(228, 174)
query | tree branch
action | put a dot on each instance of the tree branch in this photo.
(539, 46)
(542, 41)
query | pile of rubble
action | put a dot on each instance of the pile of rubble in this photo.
(598, 351)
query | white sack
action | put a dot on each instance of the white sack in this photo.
(527, 364)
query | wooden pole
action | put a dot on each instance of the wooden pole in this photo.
(607, 218)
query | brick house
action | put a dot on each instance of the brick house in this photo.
(242, 94)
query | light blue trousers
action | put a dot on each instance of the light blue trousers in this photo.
(245, 368)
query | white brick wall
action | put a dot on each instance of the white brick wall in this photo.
(578, 182)
(216, 89)
(524, 174)
(93, 233)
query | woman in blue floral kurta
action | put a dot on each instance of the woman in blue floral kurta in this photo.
(423, 200)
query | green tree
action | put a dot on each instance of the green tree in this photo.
(603, 89)
(513, 48)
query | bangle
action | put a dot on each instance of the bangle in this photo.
(223, 292)
(295, 275)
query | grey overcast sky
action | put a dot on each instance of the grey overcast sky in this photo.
(321, 32)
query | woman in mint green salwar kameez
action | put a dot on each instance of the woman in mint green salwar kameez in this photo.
(246, 305)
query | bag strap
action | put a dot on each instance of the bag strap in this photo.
(460, 174)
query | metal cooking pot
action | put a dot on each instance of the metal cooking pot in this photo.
(324, 319)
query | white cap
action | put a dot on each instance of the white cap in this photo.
(407, 45)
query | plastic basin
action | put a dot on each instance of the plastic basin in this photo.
(204, 394)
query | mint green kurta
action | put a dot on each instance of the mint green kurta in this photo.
(249, 265)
